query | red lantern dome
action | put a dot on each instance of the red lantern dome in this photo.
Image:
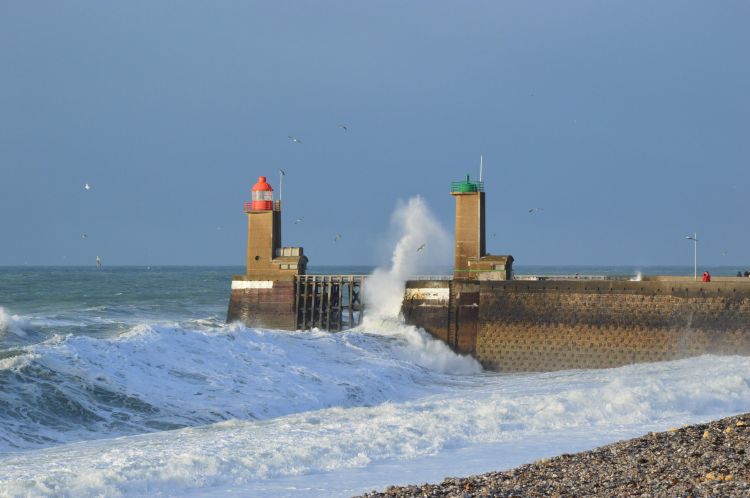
(262, 196)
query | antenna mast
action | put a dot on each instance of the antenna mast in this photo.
(480, 166)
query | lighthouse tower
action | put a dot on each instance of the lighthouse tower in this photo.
(266, 258)
(265, 296)
(471, 261)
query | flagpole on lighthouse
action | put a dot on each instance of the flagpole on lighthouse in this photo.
(281, 184)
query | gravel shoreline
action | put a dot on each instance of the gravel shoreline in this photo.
(708, 459)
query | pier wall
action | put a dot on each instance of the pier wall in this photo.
(263, 303)
(554, 325)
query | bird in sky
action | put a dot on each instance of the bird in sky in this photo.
(494, 235)
(421, 247)
(83, 235)
(283, 173)
(299, 220)
(86, 186)
(535, 210)
(337, 237)
(343, 127)
(295, 140)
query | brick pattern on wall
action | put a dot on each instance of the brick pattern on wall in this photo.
(541, 326)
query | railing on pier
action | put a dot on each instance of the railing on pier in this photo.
(430, 277)
(329, 302)
(572, 277)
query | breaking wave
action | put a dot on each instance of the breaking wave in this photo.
(499, 413)
(158, 377)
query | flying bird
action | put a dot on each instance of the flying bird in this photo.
(98, 262)
(421, 247)
(343, 127)
(83, 235)
(535, 210)
(295, 140)
(86, 186)
(299, 220)
(337, 237)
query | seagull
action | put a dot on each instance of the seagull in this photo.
(295, 140)
(535, 210)
(299, 220)
(86, 186)
(343, 127)
(98, 262)
(421, 247)
(83, 235)
(337, 237)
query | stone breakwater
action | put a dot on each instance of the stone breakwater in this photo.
(699, 460)
(521, 326)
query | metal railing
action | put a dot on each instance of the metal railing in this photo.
(571, 277)
(467, 186)
(430, 277)
(248, 206)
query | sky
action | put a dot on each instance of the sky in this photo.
(627, 121)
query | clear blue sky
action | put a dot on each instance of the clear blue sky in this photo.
(627, 121)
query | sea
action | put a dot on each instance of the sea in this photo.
(126, 381)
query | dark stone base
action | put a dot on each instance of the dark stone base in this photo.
(272, 308)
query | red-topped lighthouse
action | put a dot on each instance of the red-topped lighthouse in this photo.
(266, 259)
(265, 295)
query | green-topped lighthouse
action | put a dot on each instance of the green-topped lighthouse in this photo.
(471, 261)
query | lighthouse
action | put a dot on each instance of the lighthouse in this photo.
(471, 261)
(266, 259)
(266, 294)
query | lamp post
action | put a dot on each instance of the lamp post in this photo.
(694, 238)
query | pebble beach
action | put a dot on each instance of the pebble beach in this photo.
(708, 459)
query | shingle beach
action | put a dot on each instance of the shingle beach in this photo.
(708, 459)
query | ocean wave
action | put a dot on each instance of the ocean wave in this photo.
(12, 324)
(160, 376)
(500, 412)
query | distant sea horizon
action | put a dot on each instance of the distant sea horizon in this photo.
(365, 269)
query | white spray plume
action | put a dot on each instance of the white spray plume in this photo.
(11, 323)
(422, 243)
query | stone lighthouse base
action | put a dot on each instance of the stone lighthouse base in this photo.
(266, 304)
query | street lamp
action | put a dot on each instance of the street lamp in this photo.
(694, 238)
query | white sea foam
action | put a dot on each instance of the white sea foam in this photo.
(492, 414)
(157, 377)
(13, 324)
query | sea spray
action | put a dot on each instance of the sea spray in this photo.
(11, 323)
(421, 243)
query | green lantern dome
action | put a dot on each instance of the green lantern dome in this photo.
(466, 186)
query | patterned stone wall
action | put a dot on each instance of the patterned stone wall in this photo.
(555, 325)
